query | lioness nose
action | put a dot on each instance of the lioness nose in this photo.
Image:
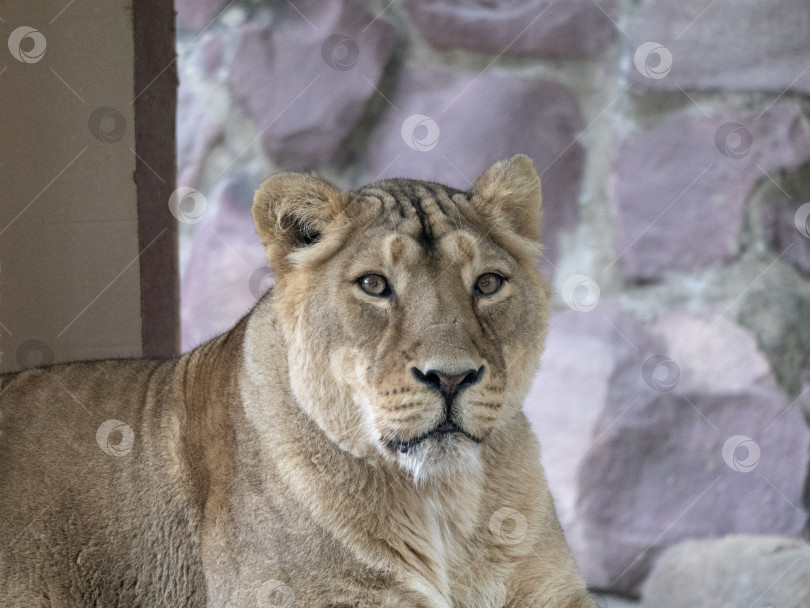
(448, 384)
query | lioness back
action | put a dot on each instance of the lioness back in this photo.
(89, 515)
(357, 439)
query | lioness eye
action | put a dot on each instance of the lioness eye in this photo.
(489, 283)
(375, 285)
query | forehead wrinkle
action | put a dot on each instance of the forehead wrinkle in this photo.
(394, 249)
(460, 246)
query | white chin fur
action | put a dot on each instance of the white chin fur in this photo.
(440, 458)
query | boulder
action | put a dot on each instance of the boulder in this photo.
(721, 44)
(695, 439)
(307, 78)
(439, 119)
(584, 351)
(541, 28)
(680, 188)
(732, 572)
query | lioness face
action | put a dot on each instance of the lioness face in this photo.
(415, 321)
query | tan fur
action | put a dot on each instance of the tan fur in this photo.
(259, 473)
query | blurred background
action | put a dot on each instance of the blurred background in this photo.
(674, 147)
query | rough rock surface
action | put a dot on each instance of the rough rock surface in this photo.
(694, 439)
(439, 120)
(731, 572)
(584, 350)
(197, 14)
(328, 57)
(680, 187)
(787, 225)
(574, 28)
(226, 272)
(722, 44)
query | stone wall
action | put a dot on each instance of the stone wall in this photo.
(674, 147)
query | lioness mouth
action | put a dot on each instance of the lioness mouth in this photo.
(444, 428)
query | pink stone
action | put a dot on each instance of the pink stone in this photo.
(575, 28)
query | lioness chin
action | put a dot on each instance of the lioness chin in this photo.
(356, 440)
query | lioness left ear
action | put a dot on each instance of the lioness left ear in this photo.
(510, 190)
(291, 211)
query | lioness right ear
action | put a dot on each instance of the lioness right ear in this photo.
(510, 191)
(291, 211)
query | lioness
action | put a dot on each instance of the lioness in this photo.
(356, 440)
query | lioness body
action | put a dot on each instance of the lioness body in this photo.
(258, 473)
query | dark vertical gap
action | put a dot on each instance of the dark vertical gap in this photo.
(156, 174)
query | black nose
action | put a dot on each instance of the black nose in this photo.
(448, 385)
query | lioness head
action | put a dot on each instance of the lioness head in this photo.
(414, 314)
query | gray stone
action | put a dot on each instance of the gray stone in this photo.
(731, 572)
(787, 226)
(775, 309)
(614, 601)
(226, 272)
(542, 28)
(695, 440)
(722, 44)
(681, 186)
(307, 79)
(197, 14)
(450, 126)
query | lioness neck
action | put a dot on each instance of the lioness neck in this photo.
(380, 512)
